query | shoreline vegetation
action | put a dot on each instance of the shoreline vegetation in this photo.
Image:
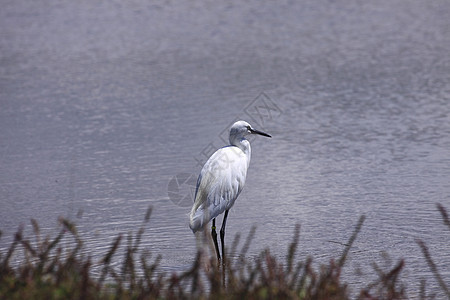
(53, 270)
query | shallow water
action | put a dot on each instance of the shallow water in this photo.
(107, 108)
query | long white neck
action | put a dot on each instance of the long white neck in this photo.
(244, 145)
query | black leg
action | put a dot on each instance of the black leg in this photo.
(222, 234)
(214, 236)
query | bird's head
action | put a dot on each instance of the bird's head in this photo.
(241, 129)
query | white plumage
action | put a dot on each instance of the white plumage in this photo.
(222, 179)
(219, 184)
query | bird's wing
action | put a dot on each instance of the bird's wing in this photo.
(220, 182)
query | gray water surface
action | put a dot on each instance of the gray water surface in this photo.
(103, 104)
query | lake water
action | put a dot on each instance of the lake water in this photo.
(107, 107)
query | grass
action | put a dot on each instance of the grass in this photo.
(52, 271)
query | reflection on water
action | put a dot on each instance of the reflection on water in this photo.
(103, 104)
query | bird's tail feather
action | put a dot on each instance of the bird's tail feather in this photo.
(196, 220)
(201, 216)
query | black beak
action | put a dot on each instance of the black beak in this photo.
(254, 131)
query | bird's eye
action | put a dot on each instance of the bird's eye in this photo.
(248, 127)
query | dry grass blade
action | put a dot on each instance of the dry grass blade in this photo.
(433, 267)
(248, 241)
(293, 248)
(11, 249)
(36, 230)
(444, 214)
(65, 272)
(107, 259)
(351, 241)
(148, 214)
(28, 248)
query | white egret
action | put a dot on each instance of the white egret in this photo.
(221, 180)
